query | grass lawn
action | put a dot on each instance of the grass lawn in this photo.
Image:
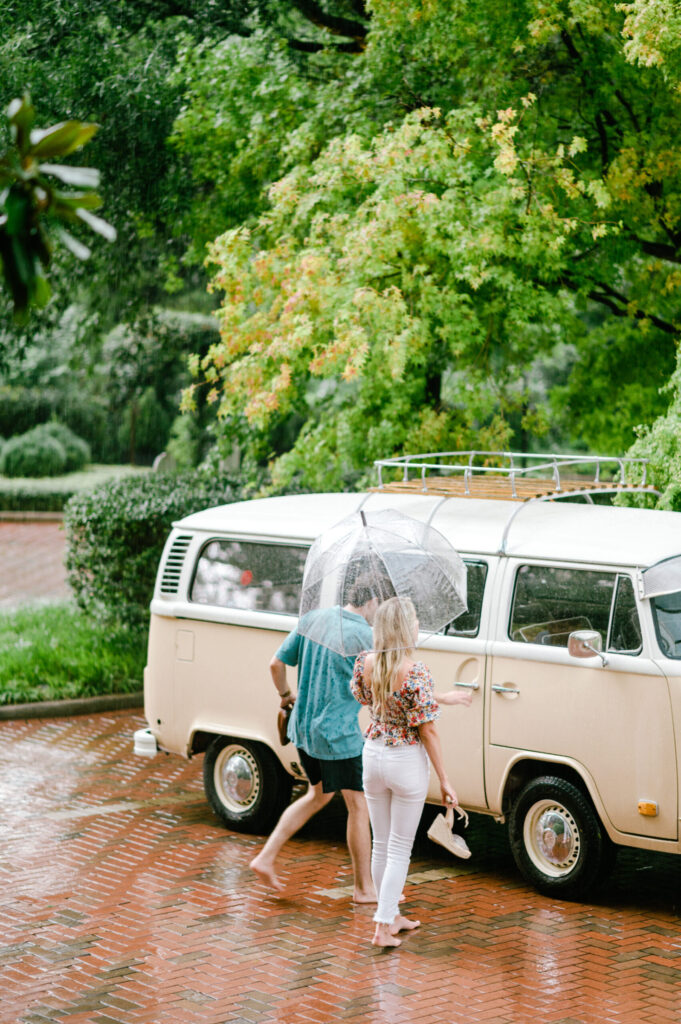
(55, 652)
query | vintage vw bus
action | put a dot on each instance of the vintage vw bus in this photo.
(571, 646)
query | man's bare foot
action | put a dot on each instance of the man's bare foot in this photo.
(266, 873)
(364, 896)
(403, 924)
(384, 937)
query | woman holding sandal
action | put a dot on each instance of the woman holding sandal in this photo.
(400, 745)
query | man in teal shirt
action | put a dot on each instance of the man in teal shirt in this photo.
(325, 730)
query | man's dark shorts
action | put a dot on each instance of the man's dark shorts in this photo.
(333, 775)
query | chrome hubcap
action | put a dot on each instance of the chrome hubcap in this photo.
(552, 838)
(237, 778)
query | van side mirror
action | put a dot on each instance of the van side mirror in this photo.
(584, 643)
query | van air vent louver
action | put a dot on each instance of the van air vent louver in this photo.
(172, 570)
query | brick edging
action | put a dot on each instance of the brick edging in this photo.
(30, 517)
(78, 706)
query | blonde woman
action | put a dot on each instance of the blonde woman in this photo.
(399, 742)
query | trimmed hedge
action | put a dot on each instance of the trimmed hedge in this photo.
(50, 494)
(24, 499)
(116, 535)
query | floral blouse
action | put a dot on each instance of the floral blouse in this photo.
(407, 708)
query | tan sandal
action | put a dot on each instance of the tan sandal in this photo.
(441, 832)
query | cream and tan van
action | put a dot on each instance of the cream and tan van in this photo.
(571, 647)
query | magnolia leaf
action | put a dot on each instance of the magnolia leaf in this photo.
(102, 227)
(85, 177)
(41, 291)
(73, 245)
(72, 200)
(20, 114)
(61, 139)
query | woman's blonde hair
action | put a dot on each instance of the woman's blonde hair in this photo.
(394, 635)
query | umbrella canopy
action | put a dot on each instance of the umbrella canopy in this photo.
(378, 555)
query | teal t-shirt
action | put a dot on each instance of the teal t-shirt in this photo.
(324, 719)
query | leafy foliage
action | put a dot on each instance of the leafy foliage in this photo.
(660, 443)
(401, 290)
(30, 198)
(35, 453)
(56, 652)
(116, 534)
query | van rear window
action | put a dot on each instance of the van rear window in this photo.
(248, 575)
(667, 616)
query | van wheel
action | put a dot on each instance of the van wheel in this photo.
(245, 784)
(557, 840)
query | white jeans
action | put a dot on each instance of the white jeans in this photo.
(395, 785)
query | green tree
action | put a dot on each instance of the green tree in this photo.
(398, 290)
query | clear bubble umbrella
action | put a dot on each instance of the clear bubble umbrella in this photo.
(381, 555)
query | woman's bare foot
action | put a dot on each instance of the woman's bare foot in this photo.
(403, 924)
(384, 937)
(266, 873)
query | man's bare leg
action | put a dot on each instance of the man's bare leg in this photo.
(359, 845)
(293, 819)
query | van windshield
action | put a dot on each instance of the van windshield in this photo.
(667, 616)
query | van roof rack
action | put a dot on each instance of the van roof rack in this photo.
(511, 476)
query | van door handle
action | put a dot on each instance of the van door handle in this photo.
(468, 686)
(505, 689)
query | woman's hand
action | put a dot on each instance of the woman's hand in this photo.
(455, 697)
(448, 794)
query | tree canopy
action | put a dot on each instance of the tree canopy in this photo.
(431, 224)
(508, 199)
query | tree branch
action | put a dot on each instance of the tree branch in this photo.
(610, 298)
(338, 26)
(670, 253)
(306, 46)
(618, 304)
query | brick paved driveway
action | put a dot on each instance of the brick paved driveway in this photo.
(124, 901)
(32, 559)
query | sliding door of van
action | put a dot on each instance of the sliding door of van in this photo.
(612, 721)
(457, 660)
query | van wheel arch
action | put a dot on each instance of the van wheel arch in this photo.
(556, 837)
(245, 783)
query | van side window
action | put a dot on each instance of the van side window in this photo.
(550, 603)
(625, 629)
(243, 574)
(468, 624)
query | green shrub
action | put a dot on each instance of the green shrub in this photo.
(50, 449)
(33, 454)
(21, 408)
(116, 534)
(77, 450)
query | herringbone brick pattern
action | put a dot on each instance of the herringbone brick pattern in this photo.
(124, 902)
(32, 560)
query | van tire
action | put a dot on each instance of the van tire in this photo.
(567, 870)
(245, 784)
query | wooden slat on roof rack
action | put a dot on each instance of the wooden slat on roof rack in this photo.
(489, 486)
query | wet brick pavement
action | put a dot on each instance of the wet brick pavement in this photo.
(125, 902)
(32, 562)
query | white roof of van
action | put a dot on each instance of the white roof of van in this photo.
(543, 529)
